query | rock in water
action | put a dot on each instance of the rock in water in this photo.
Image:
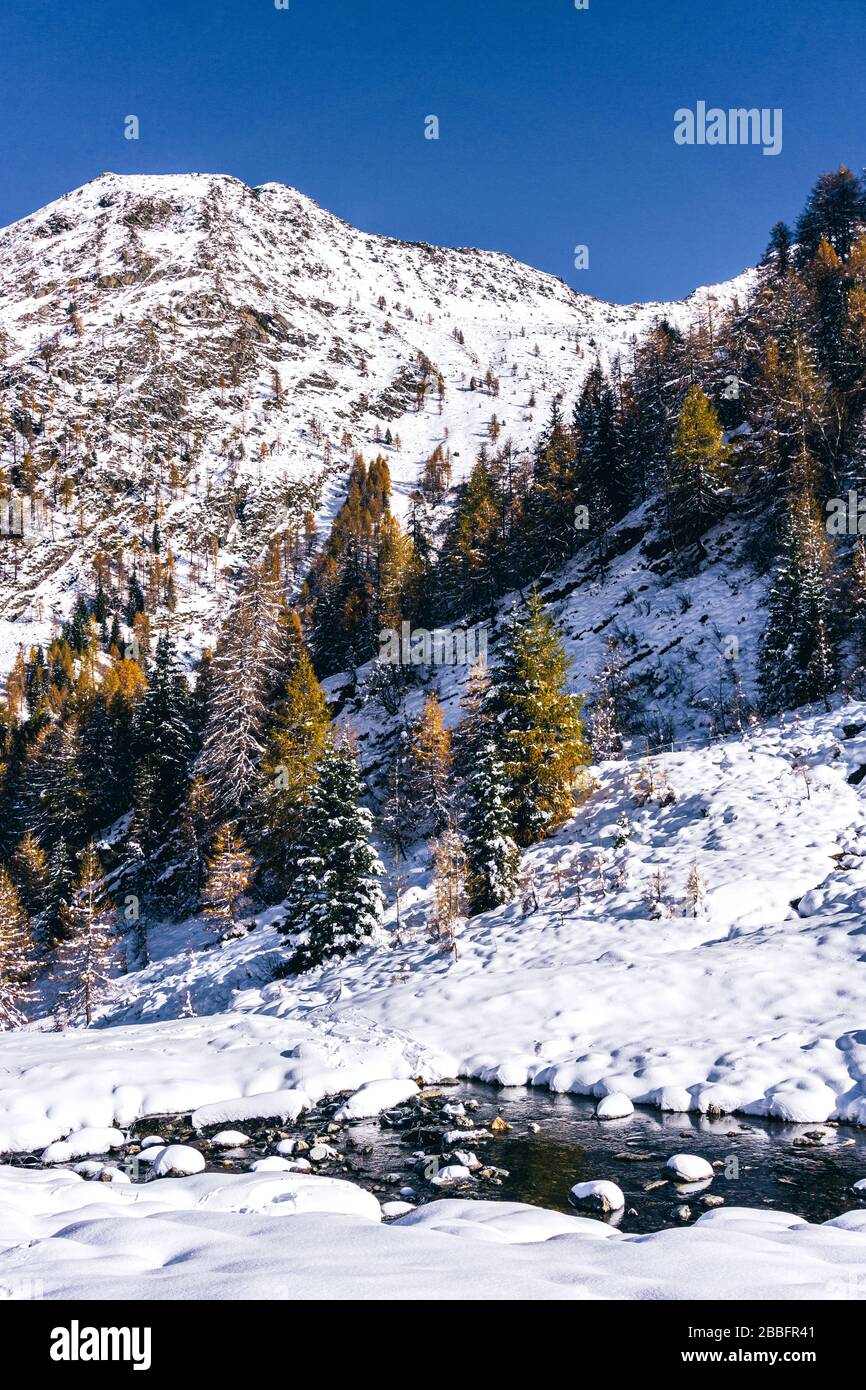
(616, 1106)
(690, 1168)
(598, 1195)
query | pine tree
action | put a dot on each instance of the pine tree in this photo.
(699, 470)
(30, 867)
(229, 871)
(61, 880)
(538, 724)
(335, 903)
(16, 954)
(835, 211)
(449, 888)
(857, 604)
(492, 857)
(696, 892)
(300, 732)
(90, 948)
(244, 667)
(428, 789)
(798, 661)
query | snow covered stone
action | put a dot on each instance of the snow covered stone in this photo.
(274, 1164)
(178, 1161)
(395, 1208)
(598, 1195)
(81, 1143)
(616, 1106)
(690, 1168)
(152, 1140)
(374, 1097)
(269, 1105)
(466, 1158)
(860, 1188)
(231, 1139)
(453, 1172)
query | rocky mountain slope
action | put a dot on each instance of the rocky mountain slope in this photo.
(187, 351)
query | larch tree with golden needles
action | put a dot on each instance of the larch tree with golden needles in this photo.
(537, 724)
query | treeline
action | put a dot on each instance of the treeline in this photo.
(238, 791)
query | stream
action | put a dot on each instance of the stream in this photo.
(544, 1145)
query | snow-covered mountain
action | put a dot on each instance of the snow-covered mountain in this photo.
(193, 352)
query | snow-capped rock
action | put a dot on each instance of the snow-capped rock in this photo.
(616, 1106)
(598, 1195)
(178, 1161)
(690, 1168)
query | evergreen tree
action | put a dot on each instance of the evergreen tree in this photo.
(428, 786)
(449, 887)
(798, 661)
(834, 211)
(699, 470)
(538, 724)
(61, 879)
(779, 247)
(299, 734)
(90, 948)
(335, 903)
(229, 872)
(240, 674)
(492, 857)
(30, 867)
(16, 954)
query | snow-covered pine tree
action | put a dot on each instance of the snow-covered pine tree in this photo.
(492, 857)
(335, 903)
(229, 871)
(61, 878)
(857, 607)
(91, 947)
(249, 655)
(538, 724)
(16, 954)
(798, 661)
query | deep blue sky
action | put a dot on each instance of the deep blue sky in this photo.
(556, 124)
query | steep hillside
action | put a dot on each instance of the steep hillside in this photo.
(187, 351)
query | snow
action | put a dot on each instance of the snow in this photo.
(218, 1237)
(598, 1193)
(178, 1160)
(281, 1105)
(230, 1138)
(452, 1172)
(690, 1168)
(374, 1097)
(616, 1106)
(83, 1141)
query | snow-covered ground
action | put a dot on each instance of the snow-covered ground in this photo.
(756, 1004)
(225, 1238)
(585, 991)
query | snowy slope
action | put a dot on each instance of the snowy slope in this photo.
(586, 991)
(124, 304)
(226, 1238)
